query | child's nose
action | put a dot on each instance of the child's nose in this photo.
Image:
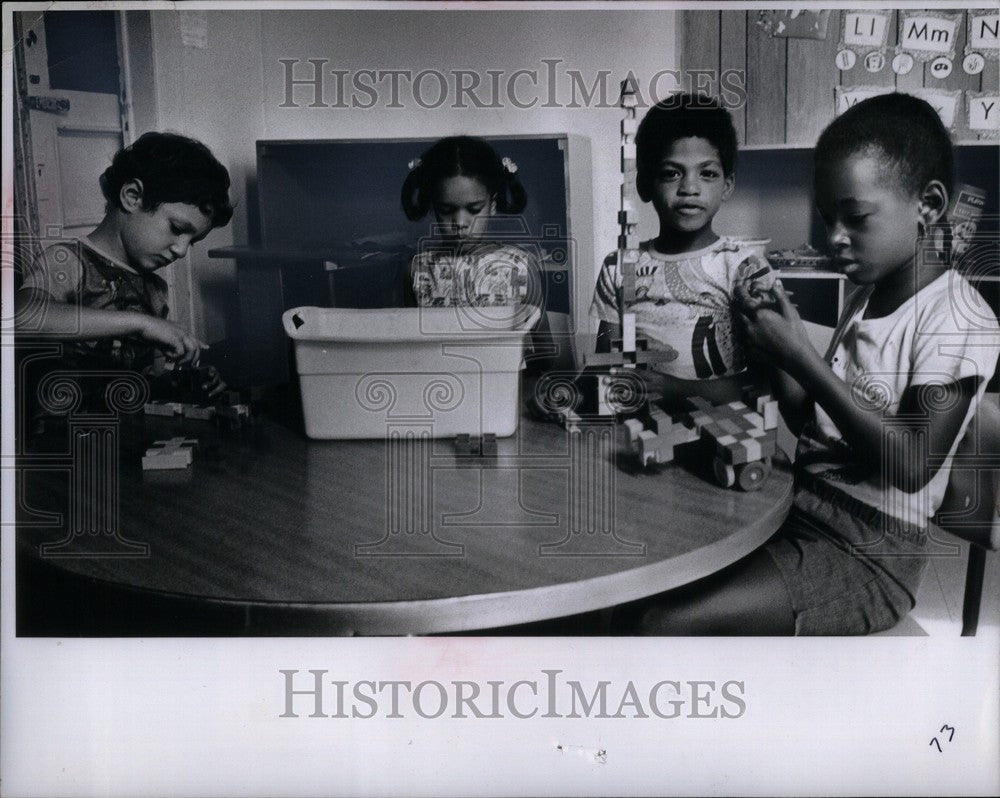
(836, 235)
(179, 248)
(689, 184)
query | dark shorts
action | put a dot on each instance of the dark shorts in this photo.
(849, 569)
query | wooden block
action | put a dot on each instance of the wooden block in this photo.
(200, 412)
(629, 196)
(603, 359)
(768, 446)
(630, 127)
(649, 450)
(174, 453)
(633, 427)
(157, 461)
(629, 101)
(626, 218)
(770, 414)
(158, 408)
(734, 453)
(628, 332)
(570, 420)
(489, 445)
(466, 445)
(659, 421)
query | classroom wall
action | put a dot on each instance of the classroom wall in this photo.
(230, 92)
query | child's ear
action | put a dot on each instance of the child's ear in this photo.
(727, 192)
(130, 196)
(933, 203)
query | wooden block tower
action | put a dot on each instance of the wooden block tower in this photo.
(630, 350)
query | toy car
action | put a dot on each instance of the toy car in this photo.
(740, 440)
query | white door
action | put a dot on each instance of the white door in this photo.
(73, 82)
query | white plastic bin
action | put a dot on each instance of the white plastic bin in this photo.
(444, 371)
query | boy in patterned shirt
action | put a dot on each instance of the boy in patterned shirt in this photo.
(685, 278)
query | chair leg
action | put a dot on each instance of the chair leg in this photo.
(973, 589)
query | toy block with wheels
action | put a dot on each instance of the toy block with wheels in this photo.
(735, 437)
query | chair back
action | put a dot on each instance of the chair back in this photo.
(969, 509)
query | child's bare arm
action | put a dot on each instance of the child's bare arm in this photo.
(674, 390)
(865, 430)
(861, 424)
(77, 323)
(45, 299)
(794, 403)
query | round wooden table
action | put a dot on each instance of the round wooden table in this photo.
(270, 533)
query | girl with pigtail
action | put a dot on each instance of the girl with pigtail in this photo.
(464, 182)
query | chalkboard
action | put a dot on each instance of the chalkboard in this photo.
(344, 196)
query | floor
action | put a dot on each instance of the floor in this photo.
(939, 601)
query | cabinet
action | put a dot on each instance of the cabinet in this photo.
(790, 83)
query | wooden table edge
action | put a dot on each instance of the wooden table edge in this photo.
(485, 611)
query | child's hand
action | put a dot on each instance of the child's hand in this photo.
(771, 323)
(214, 383)
(648, 383)
(177, 343)
(752, 295)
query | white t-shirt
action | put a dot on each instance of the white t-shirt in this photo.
(683, 304)
(944, 333)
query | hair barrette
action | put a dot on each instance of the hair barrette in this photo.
(414, 164)
(509, 165)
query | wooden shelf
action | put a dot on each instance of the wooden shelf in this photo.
(249, 253)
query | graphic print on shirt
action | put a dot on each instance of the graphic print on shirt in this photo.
(679, 280)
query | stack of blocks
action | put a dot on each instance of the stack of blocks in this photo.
(628, 239)
(631, 350)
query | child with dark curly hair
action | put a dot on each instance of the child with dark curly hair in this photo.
(101, 295)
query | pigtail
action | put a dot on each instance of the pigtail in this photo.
(511, 197)
(413, 196)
